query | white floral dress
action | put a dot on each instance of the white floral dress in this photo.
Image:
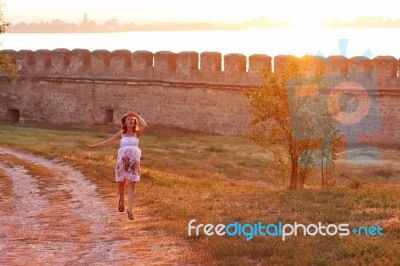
(128, 160)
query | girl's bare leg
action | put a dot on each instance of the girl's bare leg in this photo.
(131, 195)
(121, 190)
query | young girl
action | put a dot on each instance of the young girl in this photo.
(128, 160)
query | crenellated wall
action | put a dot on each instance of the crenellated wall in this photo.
(183, 66)
(186, 89)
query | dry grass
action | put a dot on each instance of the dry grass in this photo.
(5, 184)
(216, 179)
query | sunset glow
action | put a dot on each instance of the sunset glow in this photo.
(297, 13)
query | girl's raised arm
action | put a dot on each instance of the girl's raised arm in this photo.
(142, 124)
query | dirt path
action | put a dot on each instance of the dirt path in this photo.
(60, 219)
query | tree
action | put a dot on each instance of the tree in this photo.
(292, 128)
(6, 64)
(111, 24)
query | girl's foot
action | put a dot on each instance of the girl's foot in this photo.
(121, 206)
(130, 215)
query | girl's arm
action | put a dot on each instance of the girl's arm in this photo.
(105, 143)
(142, 124)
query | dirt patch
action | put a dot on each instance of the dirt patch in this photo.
(68, 221)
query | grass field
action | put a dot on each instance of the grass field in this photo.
(218, 179)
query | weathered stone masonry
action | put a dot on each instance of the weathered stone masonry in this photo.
(188, 90)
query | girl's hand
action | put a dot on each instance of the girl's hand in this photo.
(88, 146)
(134, 114)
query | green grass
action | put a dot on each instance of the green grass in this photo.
(218, 179)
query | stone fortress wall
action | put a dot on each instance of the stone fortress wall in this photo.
(188, 90)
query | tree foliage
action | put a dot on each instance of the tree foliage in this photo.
(6, 64)
(3, 24)
(292, 128)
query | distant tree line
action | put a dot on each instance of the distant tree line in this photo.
(113, 25)
(372, 22)
(58, 25)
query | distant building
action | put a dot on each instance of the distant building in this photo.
(85, 19)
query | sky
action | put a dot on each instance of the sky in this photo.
(297, 12)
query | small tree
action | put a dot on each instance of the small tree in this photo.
(292, 128)
(6, 64)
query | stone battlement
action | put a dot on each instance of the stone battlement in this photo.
(186, 66)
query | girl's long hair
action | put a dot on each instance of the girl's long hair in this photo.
(124, 128)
